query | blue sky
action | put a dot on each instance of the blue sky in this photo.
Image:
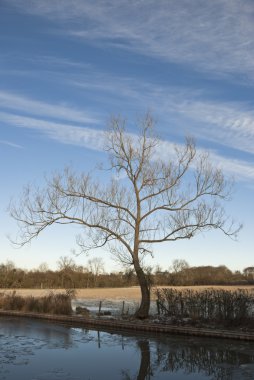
(67, 66)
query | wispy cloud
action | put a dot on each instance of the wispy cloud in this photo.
(11, 144)
(227, 123)
(223, 122)
(239, 169)
(44, 60)
(95, 139)
(34, 107)
(209, 35)
(63, 133)
(214, 36)
(55, 62)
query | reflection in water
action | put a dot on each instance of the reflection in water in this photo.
(42, 351)
(218, 360)
(144, 369)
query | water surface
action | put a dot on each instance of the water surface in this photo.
(39, 350)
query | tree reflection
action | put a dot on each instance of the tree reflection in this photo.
(145, 362)
(155, 356)
(145, 371)
(213, 359)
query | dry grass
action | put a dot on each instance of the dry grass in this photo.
(130, 293)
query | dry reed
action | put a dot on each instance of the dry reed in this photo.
(52, 303)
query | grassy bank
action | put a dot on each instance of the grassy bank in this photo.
(179, 303)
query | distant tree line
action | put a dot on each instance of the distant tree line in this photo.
(71, 275)
(181, 274)
(67, 275)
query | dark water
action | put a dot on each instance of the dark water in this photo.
(38, 350)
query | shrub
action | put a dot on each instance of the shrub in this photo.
(51, 303)
(12, 301)
(218, 305)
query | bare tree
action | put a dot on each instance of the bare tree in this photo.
(96, 267)
(43, 267)
(179, 265)
(153, 200)
(179, 272)
(65, 263)
(66, 267)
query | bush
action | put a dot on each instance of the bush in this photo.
(227, 307)
(12, 301)
(50, 304)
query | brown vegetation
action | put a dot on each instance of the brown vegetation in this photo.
(235, 307)
(52, 303)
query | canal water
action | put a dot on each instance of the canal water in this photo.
(39, 350)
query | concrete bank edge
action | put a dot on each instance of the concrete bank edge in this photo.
(116, 325)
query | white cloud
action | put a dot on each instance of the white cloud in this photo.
(11, 144)
(239, 169)
(55, 62)
(56, 111)
(213, 36)
(226, 123)
(230, 124)
(94, 139)
(63, 133)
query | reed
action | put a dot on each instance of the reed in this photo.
(59, 303)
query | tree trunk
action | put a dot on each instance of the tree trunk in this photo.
(143, 310)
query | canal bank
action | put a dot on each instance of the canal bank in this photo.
(117, 324)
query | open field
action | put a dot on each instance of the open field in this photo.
(130, 293)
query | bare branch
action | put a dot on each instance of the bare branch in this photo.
(156, 201)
